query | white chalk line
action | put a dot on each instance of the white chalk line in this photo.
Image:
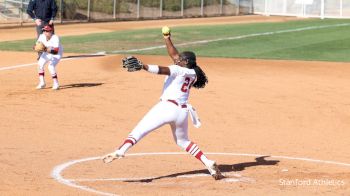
(133, 179)
(63, 59)
(234, 37)
(56, 172)
(193, 43)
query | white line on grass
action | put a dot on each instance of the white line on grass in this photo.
(234, 38)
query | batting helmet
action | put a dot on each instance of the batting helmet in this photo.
(190, 57)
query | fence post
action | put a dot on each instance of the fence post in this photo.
(322, 9)
(161, 8)
(182, 8)
(221, 6)
(341, 8)
(21, 12)
(237, 7)
(266, 14)
(202, 5)
(88, 11)
(251, 7)
(61, 11)
(138, 9)
(114, 9)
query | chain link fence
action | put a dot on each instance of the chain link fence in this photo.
(303, 8)
(14, 11)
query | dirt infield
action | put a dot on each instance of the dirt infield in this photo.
(291, 117)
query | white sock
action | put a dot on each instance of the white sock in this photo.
(55, 81)
(41, 79)
(206, 161)
(194, 150)
(125, 147)
(129, 141)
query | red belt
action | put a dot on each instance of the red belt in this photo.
(174, 102)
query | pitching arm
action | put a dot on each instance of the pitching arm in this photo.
(172, 51)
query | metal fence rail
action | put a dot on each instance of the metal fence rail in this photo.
(304, 8)
(113, 10)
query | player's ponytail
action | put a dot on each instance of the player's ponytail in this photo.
(190, 57)
(202, 79)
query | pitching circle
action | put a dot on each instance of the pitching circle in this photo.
(56, 172)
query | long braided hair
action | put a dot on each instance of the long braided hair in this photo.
(202, 79)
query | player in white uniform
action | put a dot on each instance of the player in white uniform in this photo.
(173, 108)
(53, 54)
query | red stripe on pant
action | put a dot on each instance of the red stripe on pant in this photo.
(127, 141)
(199, 154)
(134, 140)
(198, 151)
(189, 146)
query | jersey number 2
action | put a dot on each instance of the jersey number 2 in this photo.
(186, 85)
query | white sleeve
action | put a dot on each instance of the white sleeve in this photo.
(176, 70)
(55, 41)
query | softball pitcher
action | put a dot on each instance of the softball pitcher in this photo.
(51, 51)
(173, 107)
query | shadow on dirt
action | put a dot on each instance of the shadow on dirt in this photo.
(80, 85)
(83, 56)
(259, 161)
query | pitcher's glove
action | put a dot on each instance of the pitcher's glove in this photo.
(39, 47)
(132, 63)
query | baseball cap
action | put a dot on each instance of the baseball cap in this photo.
(47, 28)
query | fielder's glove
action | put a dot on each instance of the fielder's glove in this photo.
(39, 47)
(132, 63)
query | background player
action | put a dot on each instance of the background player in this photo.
(42, 12)
(52, 53)
(173, 108)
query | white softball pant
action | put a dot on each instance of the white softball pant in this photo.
(53, 61)
(165, 112)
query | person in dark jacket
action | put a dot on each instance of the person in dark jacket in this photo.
(42, 12)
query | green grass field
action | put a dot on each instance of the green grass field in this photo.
(314, 39)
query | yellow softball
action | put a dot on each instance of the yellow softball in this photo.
(166, 30)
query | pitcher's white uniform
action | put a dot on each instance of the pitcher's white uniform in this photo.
(172, 109)
(54, 42)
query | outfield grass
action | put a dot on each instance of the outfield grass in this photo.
(325, 44)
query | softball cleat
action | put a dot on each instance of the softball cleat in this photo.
(55, 87)
(215, 172)
(111, 156)
(41, 86)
